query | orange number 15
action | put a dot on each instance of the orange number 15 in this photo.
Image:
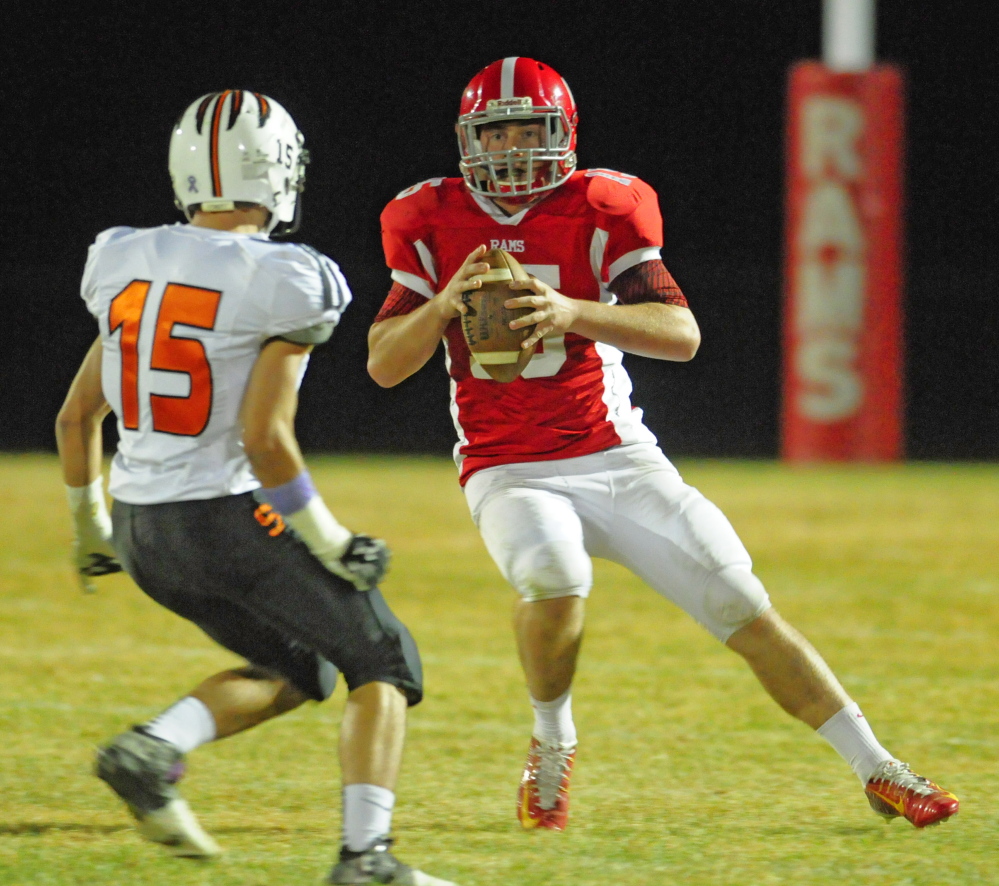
(180, 305)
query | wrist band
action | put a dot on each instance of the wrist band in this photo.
(291, 497)
(87, 496)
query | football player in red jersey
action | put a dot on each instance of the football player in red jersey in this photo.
(557, 466)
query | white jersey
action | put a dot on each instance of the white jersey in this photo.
(183, 312)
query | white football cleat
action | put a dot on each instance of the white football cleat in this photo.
(177, 828)
(144, 771)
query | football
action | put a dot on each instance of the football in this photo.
(486, 322)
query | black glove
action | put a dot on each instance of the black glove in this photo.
(365, 561)
(92, 553)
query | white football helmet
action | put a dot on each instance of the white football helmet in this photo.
(238, 147)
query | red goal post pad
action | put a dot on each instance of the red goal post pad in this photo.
(843, 372)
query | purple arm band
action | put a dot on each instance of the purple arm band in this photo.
(291, 496)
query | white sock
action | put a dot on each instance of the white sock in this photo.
(186, 725)
(553, 719)
(851, 737)
(367, 815)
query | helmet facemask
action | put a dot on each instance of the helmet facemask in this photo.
(518, 172)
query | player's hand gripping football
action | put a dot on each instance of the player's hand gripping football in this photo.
(449, 298)
(364, 563)
(553, 312)
(93, 554)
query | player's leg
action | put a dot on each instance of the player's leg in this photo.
(358, 633)
(536, 540)
(266, 598)
(684, 547)
(143, 766)
(224, 704)
(549, 634)
(242, 698)
(799, 680)
(791, 671)
(371, 739)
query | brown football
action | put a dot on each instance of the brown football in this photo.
(486, 322)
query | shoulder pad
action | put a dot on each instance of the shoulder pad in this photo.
(615, 193)
(414, 202)
(112, 234)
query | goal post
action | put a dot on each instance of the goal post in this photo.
(843, 274)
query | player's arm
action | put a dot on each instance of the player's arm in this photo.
(268, 419)
(399, 346)
(80, 442)
(268, 413)
(651, 322)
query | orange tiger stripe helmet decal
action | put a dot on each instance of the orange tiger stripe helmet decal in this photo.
(238, 146)
(213, 152)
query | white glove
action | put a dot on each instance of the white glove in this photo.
(93, 553)
(359, 559)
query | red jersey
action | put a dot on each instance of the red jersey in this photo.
(573, 398)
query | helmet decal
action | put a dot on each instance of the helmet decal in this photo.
(264, 105)
(213, 153)
(199, 116)
(229, 148)
(234, 107)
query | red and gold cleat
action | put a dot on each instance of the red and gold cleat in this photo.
(543, 797)
(894, 791)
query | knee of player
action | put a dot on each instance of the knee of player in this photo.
(733, 597)
(550, 570)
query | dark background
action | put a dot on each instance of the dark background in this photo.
(689, 95)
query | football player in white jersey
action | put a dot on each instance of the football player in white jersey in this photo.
(205, 330)
(557, 465)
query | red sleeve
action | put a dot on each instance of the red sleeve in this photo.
(399, 301)
(647, 282)
(628, 213)
(404, 224)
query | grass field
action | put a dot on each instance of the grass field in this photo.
(686, 772)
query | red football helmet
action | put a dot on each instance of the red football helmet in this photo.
(517, 89)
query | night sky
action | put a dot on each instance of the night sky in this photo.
(688, 95)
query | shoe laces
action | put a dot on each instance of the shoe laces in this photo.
(901, 776)
(553, 760)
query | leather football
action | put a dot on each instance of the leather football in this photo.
(486, 322)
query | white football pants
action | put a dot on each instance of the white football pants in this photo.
(542, 522)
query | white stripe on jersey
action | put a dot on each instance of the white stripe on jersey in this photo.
(629, 260)
(459, 458)
(426, 259)
(627, 420)
(598, 246)
(414, 282)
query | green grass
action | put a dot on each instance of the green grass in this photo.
(686, 773)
